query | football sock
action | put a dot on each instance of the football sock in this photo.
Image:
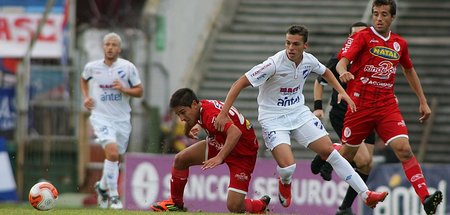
(351, 193)
(177, 184)
(103, 185)
(253, 205)
(415, 177)
(111, 175)
(345, 171)
(286, 173)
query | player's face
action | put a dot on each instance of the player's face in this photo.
(294, 47)
(111, 49)
(382, 19)
(188, 114)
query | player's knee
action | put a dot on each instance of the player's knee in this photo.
(365, 166)
(364, 162)
(112, 152)
(403, 151)
(178, 161)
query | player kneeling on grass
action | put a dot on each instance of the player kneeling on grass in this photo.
(236, 146)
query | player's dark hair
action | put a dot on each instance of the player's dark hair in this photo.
(299, 30)
(357, 24)
(391, 3)
(183, 97)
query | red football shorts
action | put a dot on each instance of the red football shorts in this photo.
(386, 121)
(241, 168)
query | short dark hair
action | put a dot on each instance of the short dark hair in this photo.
(299, 30)
(357, 24)
(183, 97)
(391, 3)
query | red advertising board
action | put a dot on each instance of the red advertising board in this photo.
(17, 29)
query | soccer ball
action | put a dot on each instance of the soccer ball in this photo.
(43, 196)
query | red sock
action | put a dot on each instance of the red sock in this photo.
(177, 184)
(253, 205)
(415, 177)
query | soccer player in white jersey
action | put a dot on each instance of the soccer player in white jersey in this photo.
(282, 113)
(107, 86)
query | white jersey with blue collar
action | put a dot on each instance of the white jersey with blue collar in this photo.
(280, 81)
(109, 103)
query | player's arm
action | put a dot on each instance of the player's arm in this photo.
(332, 81)
(341, 67)
(414, 83)
(134, 91)
(222, 117)
(88, 102)
(318, 92)
(233, 135)
(192, 131)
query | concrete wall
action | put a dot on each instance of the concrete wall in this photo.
(187, 24)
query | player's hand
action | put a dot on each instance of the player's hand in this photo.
(346, 77)
(193, 133)
(88, 103)
(117, 85)
(347, 99)
(425, 112)
(318, 113)
(211, 163)
(220, 121)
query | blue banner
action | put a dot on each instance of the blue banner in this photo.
(402, 198)
(7, 109)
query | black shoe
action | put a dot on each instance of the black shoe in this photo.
(346, 211)
(316, 164)
(431, 202)
(266, 200)
(326, 171)
(102, 196)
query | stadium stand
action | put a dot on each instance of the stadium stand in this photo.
(257, 31)
(426, 26)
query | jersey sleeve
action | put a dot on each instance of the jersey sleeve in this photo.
(208, 118)
(405, 59)
(352, 46)
(134, 75)
(261, 72)
(317, 67)
(87, 72)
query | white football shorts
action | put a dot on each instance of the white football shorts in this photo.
(109, 131)
(307, 133)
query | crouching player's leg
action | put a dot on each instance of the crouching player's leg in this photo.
(241, 169)
(191, 156)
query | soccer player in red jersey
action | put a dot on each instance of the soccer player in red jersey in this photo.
(375, 53)
(236, 146)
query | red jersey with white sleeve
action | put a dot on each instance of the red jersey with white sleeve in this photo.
(374, 64)
(247, 144)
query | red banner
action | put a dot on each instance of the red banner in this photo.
(16, 31)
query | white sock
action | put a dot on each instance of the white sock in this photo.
(110, 176)
(103, 185)
(286, 173)
(346, 172)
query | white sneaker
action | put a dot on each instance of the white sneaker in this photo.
(102, 196)
(116, 203)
